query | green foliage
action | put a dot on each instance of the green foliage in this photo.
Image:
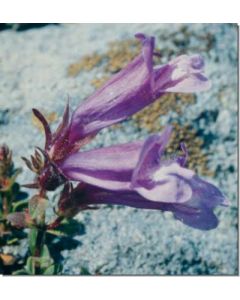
(17, 213)
(32, 240)
(50, 270)
(30, 266)
(39, 265)
(68, 227)
(12, 200)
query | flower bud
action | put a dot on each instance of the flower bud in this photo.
(5, 160)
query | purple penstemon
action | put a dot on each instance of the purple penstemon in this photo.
(135, 174)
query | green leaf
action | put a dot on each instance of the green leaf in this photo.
(21, 196)
(45, 252)
(56, 232)
(19, 205)
(33, 233)
(12, 241)
(20, 272)
(44, 262)
(71, 227)
(58, 269)
(50, 270)
(15, 188)
(30, 265)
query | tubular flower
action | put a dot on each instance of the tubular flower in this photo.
(138, 175)
(137, 85)
(134, 87)
(135, 174)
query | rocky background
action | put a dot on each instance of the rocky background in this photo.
(41, 67)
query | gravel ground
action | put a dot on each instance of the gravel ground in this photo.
(121, 240)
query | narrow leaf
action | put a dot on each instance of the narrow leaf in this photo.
(30, 265)
(32, 239)
(50, 270)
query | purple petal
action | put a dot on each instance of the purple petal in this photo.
(159, 180)
(167, 184)
(148, 45)
(149, 160)
(124, 94)
(195, 215)
(205, 194)
(94, 195)
(191, 199)
(109, 167)
(183, 74)
(203, 219)
(204, 199)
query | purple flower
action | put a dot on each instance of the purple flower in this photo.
(196, 213)
(138, 175)
(139, 84)
(135, 174)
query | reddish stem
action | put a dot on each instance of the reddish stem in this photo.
(55, 223)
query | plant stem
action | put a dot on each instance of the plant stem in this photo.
(55, 223)
(39, 242)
